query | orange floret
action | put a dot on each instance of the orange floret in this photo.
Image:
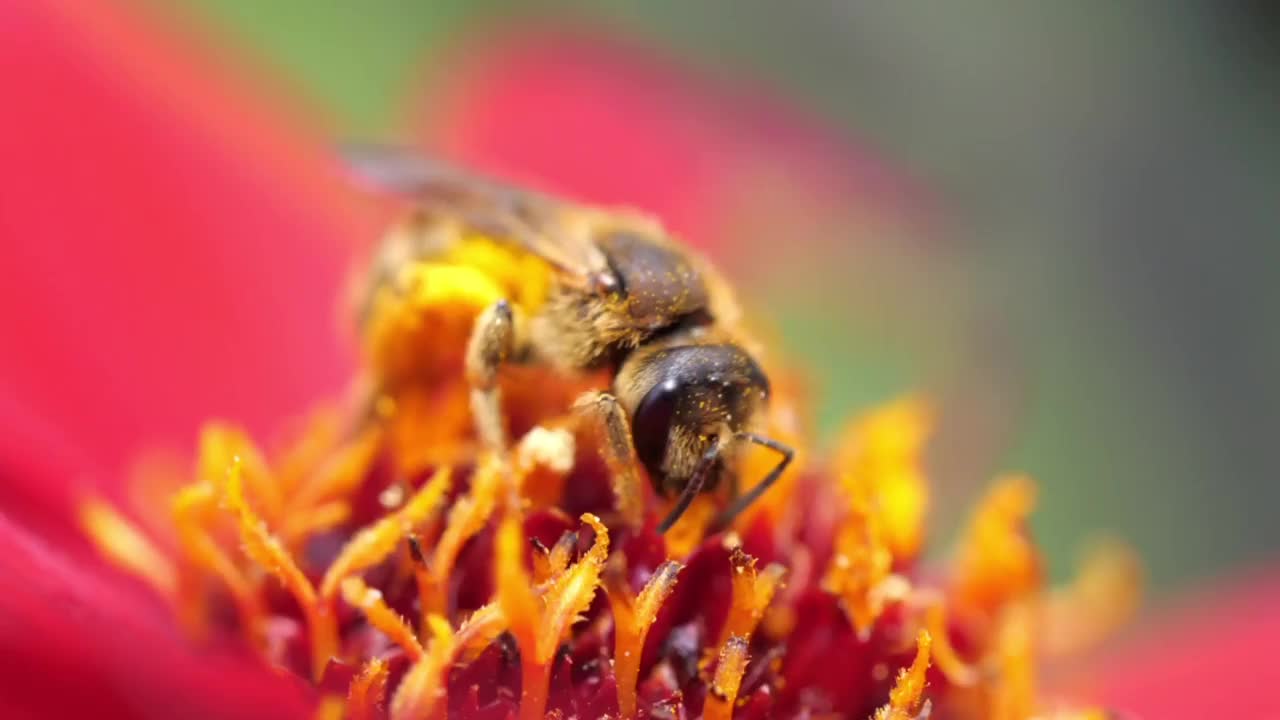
(422, 693)
(906, 699)
(367, 695)
(632, 616)
(722, 692)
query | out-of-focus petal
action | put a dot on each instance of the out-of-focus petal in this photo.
(172, 248)
(79, 642)
(1214, 657)
(613, 124)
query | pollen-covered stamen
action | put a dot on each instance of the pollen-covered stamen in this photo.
(220, 446)
(467, 517)
(374, 543)
(267, 550)
(632, 616)
(543, 459)
(882, 457)
(997, 562)
(539, 623)
(192, 506)
(122, 544)
(422, 693)
(752, 593)
(860, 568)
(906, 699)
(367, 694)
(722, 693)
(370, 602)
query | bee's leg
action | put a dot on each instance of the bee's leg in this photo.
(742, 502)
(492, 342)
(691, 489)
(619, 453)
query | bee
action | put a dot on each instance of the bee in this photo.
(622, 295)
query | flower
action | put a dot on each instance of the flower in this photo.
(230, 587)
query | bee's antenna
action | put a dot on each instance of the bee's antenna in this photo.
(691, 489)
(744, 501)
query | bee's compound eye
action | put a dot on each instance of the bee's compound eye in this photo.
(651, 425)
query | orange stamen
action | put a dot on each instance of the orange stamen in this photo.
(300, 524)
(752, 593)
(480, 629)
(122, 544)
(191, 506)
(632, 617)
(1014, 691)
(467, 517)
(267, 550)
(722, 693)
(907, 696)
(368, 691)
(997, 562)
(386, 620)
(374, 543)
(861, 565)
(953, 667)
(340, 474)
(1104, 595)
(539, 624)
(331, 707)
(422, 693)
(220, 446)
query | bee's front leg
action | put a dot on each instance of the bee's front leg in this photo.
(491, 344)
(619, 452)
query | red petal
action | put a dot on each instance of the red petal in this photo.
(170, 251)
(78, 643)
(1214, 658)
(616, 125)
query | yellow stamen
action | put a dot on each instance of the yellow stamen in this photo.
(267, 550)
(125, 546)
(375, 610)
(331, 707)
(480, 629)
(907, 695)
(337, 475)
(374, 543)
(191, 507)
(860, 566)
(301, 524)
(752, 593)
(220, 446)
(632, 617)
(881, 457)
(422, 692)
(368, 692)
(722, 693)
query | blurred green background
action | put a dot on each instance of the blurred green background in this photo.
(1096, 301)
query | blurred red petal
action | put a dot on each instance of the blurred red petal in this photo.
(614, 124)
(172, 250)
(79, 642)
(1215, 657)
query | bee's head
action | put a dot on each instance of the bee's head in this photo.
(682, 398)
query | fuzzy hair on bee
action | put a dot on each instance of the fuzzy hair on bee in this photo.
(619, 294)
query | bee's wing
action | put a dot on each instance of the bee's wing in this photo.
(553, 229)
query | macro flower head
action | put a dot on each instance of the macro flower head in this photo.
(375, 560)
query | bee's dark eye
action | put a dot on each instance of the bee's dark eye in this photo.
(651, 425)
